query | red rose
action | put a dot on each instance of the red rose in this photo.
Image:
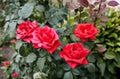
(13, 41)
(25, 29)
(46, 38)
(6, 63)
(74, 54)
(85, 31)
(14, 74)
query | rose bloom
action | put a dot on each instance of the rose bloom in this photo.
(85, 31)
(46, 38)
(13, 41)
(74, 54)
(25, 29)
(6, 63)
(14, 74)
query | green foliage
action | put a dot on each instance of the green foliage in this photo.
(109, 37)
(28, 61)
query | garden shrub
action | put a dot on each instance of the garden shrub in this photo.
(56, 40)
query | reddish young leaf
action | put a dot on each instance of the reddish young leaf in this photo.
(101, 49)
(96, 3)
(103, 8)
(103, 0)
(113, 3)
(84, 3)
(72, 5)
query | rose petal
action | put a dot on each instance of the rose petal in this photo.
(53, 48)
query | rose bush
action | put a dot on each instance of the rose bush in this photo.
(61, 39)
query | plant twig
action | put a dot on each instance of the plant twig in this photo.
(98, 12)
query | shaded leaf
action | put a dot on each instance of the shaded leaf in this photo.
(31, 58)
(18, 44)
(26, 10)
(40, 63)
(76, 72)
(40, 8)
(109, 55)
(102, 68)
(6, 26)
(114, 35)
(12, 26)
(60, 73)
(66, 67)
(91, 67)
(111, 68)
(68, 75)
(83, 78)
(74, 38)
(91, 58)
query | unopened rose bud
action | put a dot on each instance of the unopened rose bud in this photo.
(14, 74)
(6, 63)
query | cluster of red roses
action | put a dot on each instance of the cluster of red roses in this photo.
(47, 38)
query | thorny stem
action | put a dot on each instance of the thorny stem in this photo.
(97, 12)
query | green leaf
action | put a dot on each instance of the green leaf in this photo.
(60, 73)
(7, 18)
(53, 20)
(66, 67)
(15, 67)
(83, 78)
(114, 35)
(41, 62)
(18, 44)
(6, 26)
(49, 58)
(12, 27)
(91, 67)
(74, 38)
(43, 52)
(17, 59)
(76, 72)
(40, 8)
(118, 43)
(109, 55)
(68, 75)
(102, 68)
(31, 58)
(111, 68)
(118, 49)
(91, 58)
(110, 44)
(26, 10)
